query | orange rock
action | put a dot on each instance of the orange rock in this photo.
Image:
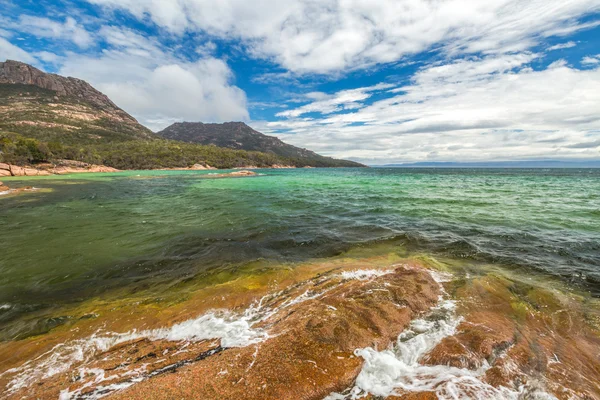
(308, 355)
(522, 332)
(241, 173)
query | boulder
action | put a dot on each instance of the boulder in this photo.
(241, 173)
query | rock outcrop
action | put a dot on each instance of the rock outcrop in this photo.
(195, 167)
(15, 170)
(524, 335)
(313, 329)
(14, 72)
(61, 168)
(241, 173)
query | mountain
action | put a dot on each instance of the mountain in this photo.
(501, 164)
(239, 136)
(50, 107)
(47, 120)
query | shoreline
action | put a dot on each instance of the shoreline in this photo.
(6, 190)
(336, 315)
(68, 167)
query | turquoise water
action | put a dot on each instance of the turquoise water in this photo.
(94, 233)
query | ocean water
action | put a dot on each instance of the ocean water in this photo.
(81, 236)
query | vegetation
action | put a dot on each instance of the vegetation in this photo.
(36, 127)
(142, 154)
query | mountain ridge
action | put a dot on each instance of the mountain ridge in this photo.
(48, 118)
(15, 72)
(498, 164)
(237, 136)
(52, 107)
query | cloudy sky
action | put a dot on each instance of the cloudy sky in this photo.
(377, 81)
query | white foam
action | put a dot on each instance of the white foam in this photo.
(234, 330)
(440, 277)
(364, 274)
(398, 369)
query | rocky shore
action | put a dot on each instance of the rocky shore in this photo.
(61, 168)
(64, 167)
(366, 328)
(301, 344)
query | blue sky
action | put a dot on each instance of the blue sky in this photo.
(377, 81)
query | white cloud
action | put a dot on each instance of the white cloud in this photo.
(343, 100)
(48, 57)
(206, 49)
(591, 60)
(561, 46)
(474, 109)
(156, 86)
(483, 100)
(48, 28)
(9, 51)
(326, 36)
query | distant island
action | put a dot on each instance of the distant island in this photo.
(50, 121)
(499, 164)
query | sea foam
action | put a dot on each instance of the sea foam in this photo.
(232, 329)
(398, 368)
(364, 274)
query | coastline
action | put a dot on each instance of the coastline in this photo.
(6, 190)
(66, 167)
(329, 322)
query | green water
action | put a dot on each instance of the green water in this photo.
(94, 233)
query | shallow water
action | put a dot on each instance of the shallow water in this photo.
(95, 234)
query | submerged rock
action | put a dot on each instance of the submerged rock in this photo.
(310, 352)
(297, 343)
(525, 337)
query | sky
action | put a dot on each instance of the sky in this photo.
(375, 81)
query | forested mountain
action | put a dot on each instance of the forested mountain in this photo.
(47, 117)
(239, 136)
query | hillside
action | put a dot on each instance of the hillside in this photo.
(46, 118)
(232, 135)
(239, 136)
(51, 107)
